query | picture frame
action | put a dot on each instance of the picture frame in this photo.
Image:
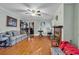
(11, 22)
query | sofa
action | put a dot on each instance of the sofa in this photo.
(3, 40)
(68, 48)
(15, 37)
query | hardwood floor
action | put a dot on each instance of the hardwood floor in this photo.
(31, 46)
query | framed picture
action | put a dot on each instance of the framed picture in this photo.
(12, 22)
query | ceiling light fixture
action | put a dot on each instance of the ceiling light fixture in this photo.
(33, 14)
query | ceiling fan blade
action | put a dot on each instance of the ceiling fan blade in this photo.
(27, 13)
(38, 14)
(29, 10)
(45, 14)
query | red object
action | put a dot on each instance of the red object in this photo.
(63, 44)
(54, 42)
(72, 52)
(68, 48)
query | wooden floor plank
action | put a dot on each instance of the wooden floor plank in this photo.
(31, 46)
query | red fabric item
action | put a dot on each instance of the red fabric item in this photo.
(72, 52)
(75, 52)
(63, 44)
(68, 48)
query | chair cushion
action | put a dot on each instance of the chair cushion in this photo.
(9, 33)
(13, 37)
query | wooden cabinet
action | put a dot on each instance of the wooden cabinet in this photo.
(57, 35)
(23, 26)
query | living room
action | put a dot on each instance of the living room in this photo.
(15, 27)
(30, 28)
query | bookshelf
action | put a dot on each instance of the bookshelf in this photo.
(57, 35)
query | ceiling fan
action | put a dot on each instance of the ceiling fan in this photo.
(33, 12)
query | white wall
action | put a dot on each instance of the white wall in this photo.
(76, 25)
(3, 14)
(71, 23)
(59, 13)
(76, 29)
(68, 22)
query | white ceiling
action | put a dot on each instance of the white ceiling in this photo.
(47, 9)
